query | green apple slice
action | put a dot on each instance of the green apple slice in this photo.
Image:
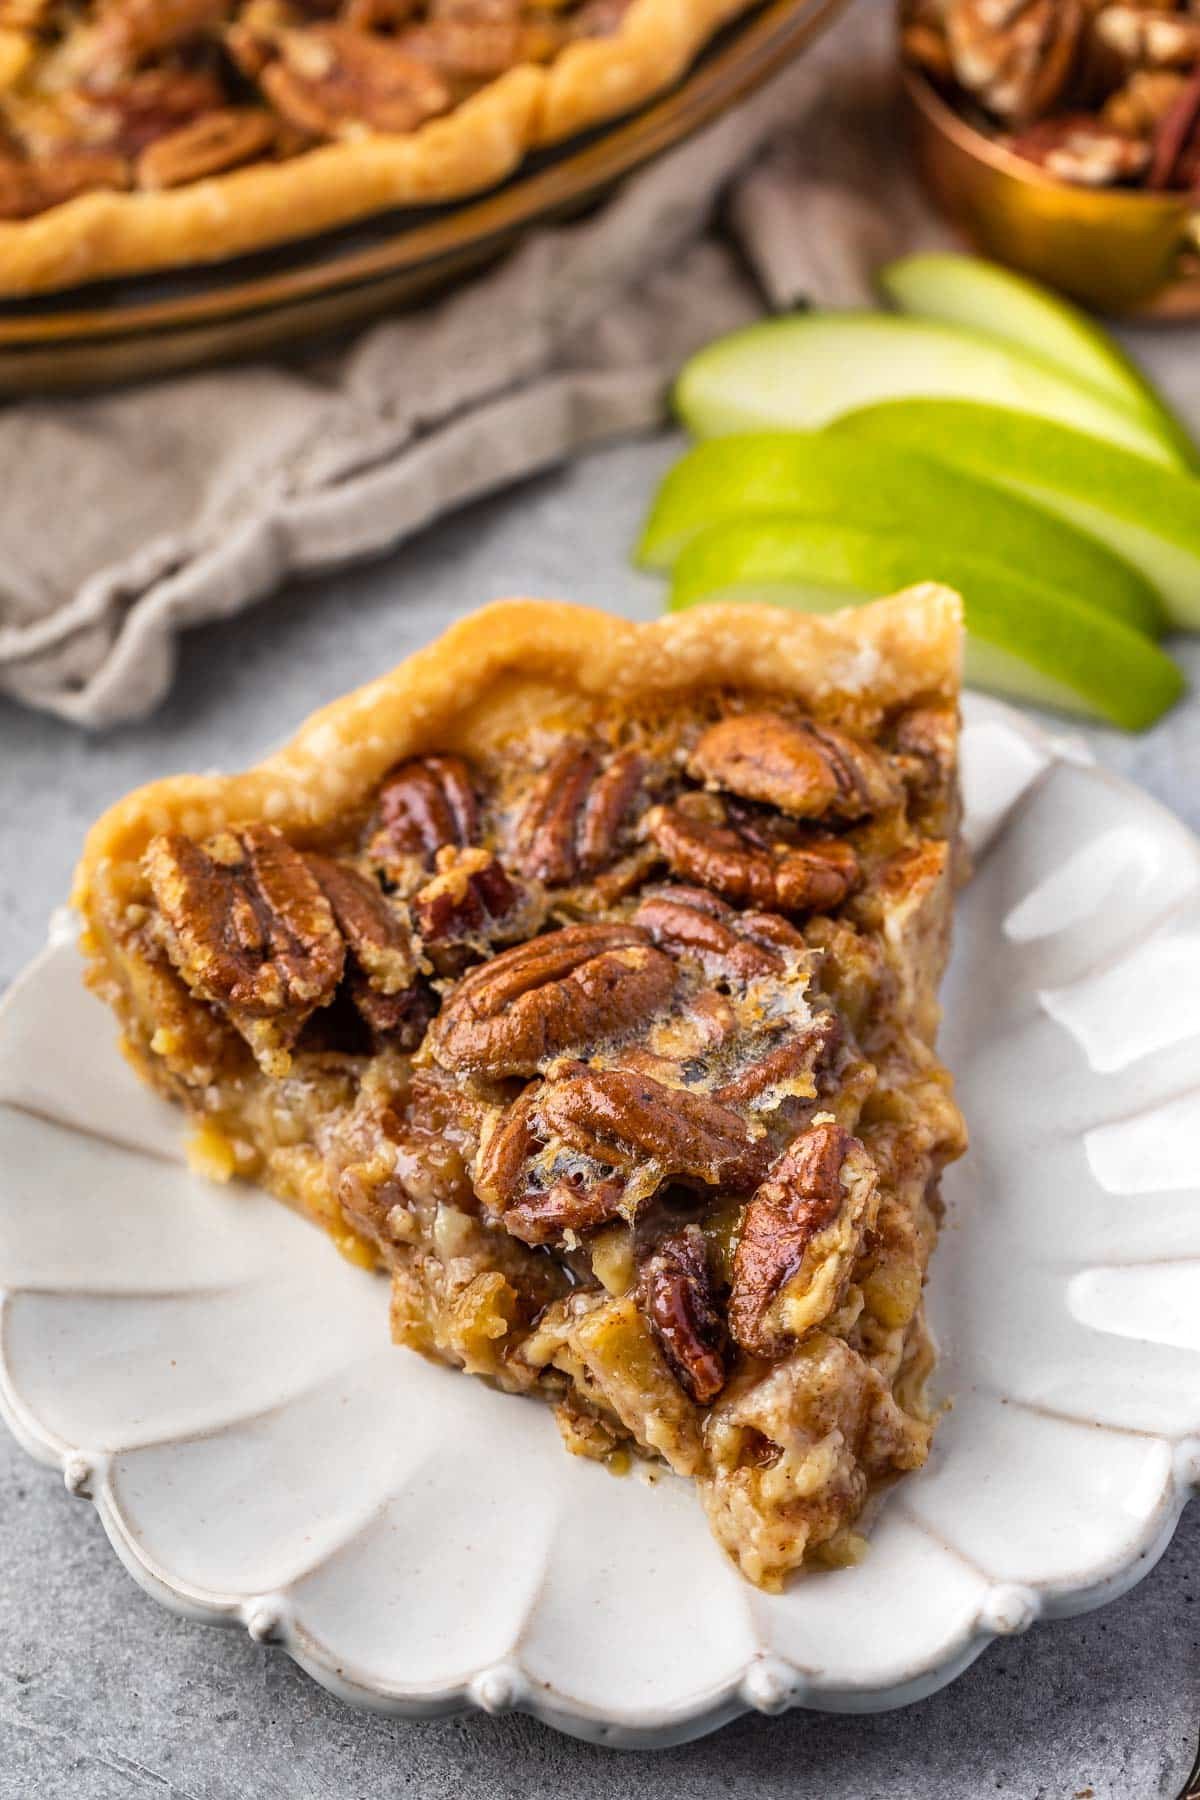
(837, 474)
(805, 370)
(954, 289)
(1149, 516)
(1023, 638)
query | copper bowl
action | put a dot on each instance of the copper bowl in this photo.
(1116, 250)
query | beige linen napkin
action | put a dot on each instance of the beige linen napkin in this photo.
(128, 516)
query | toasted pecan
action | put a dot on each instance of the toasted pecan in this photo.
(332, 76)
(623, 1117)
(575, 819)
(804, 769)
(675, 1292)
(559, 992)
(424, 806)
(824, 1174)
(206, 146)
(812, 876)
(249, 928)
(690, 921)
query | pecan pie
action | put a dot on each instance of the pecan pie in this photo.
(582, 976)
(144, 134)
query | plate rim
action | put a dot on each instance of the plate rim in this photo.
(768, 1683)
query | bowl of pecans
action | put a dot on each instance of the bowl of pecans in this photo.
(1063, 137)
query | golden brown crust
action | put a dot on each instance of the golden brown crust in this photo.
(520, 660)
(480, 143)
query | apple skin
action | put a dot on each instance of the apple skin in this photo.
(955, 289)
(1024, 639)
(803, 371)
(1149, 516)
(849, 476)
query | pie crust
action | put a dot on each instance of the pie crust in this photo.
(103, 233)
(633, 1092)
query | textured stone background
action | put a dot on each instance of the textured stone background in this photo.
(106, 1696)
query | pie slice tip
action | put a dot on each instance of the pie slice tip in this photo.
(582, 975)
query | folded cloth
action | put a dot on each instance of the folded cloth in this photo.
(126, 517)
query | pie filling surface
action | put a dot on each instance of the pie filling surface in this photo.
(606, 1028)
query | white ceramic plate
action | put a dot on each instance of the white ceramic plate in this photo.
(220, 1383)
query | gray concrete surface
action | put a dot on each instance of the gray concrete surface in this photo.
(106, 1696)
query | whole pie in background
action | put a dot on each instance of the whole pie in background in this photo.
(148, 134)
(582, 975)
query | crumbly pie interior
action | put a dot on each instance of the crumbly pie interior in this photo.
(582, 976)
(140, 134)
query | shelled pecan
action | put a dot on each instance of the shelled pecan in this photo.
(215, 141)
(469, 905)
(691, 921)
(384, 978)
(802, 768)
(248, 927)
(328, 77)
(424, 806)
(675, 1292)
(700, 844)
(578, 985)
(576, 818)
(623, 1118)
(576, 1150)
(785, 1277)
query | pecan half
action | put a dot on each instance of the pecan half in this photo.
(573, 1200)
(929, 734)
(247, 925)
(788, 1067)
(675, 1293)
(424, 806)
(692, 922)
(1138, 107)
(471, 903)
(538, 1215)
(1078, 147)
(384, 983)
(790, 877)
(791, 1266)
(555, 993)
(479, 49)
(623, 1118)
(507, 1142)
(133, 31)
(808, 770)
(141, 108)
(1157, 39)
(216, 141)
(331, 76)
(375, 932)
(27, 188)
(545, 1216)
(573, 822)
(1015, 56)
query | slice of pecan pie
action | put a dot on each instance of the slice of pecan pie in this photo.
(582, 976)
(145, 134)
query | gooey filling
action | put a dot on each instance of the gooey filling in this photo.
(612, 1043)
